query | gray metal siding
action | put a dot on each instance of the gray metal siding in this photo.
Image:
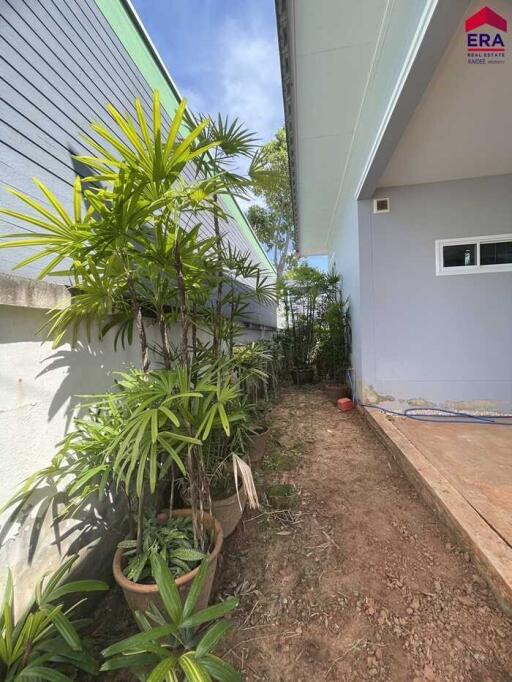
(60, 64)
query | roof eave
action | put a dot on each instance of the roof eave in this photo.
(284, 16)
(439, 23)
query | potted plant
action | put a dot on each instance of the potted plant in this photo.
(232, 487)
(255, 367)
(168, 423)
(228, 474)
(130, 441)
(174, 643)
(132, 254)
(134, 572)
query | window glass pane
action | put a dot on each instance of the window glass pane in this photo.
(496, 253)
(459, 255)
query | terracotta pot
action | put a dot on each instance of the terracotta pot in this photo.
(335, 391)
(259, 446)
(140, 596)
(229, 511)
(303, 376)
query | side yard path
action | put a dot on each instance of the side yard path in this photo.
(360, 580)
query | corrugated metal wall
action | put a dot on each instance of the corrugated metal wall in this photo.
(60, 64)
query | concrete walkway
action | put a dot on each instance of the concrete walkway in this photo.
(465, 471)
(476, 459)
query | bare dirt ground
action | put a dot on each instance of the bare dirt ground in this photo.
(360, 581)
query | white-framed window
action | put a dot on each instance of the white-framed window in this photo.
(464, 256)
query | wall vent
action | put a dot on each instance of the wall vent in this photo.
(381, 205)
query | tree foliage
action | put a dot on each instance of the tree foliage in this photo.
(273, 223)
(317, 332)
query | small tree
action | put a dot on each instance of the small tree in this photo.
(273, 223)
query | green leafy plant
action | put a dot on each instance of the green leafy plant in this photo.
(332, 356)
(302, 291)
(171, 538)
(317, 332)
(133, 247)
(174, 645)
(44, 642)
(136, 200)
(273, 223)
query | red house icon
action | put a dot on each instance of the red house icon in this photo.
(486, 16)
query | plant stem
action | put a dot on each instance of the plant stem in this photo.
(140, 523)
(166, 346)
(193, 495)
(217, 328)
(182, 298)
(139, 324)
(194, 337)
(131, 529)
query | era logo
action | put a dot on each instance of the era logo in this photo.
(490, 41)
(485, 40)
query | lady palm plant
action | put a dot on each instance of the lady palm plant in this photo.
(253, 360)
(44, 642)
(138, 250)
(134, 437)
(302, 293)
(333, 331)
(173, 645)
(137, 201)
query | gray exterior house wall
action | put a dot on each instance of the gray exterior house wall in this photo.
(427, 339)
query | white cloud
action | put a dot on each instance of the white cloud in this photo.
(250, 86)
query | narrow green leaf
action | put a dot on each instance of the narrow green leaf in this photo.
(193, 670)
(54, 201)
(42, 673)
(160, 673)
(220, 670)
(210, 613)
(168, 591)
(137, 642)
(195, 590)
(78, 586)
(67, 631)
(129, 662)
(154, 426)
(212, 637)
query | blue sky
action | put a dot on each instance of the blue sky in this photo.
(223, 56)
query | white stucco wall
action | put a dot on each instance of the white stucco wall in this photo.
(39, 389)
